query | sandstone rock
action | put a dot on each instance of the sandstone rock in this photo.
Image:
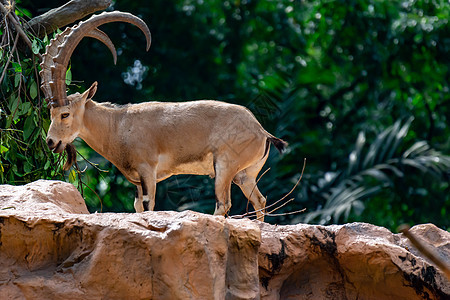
(52, 253)
(352, 261)
(43, 195)
(50, 248)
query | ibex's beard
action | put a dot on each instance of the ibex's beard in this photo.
(71, 156)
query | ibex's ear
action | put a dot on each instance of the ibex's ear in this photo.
(87, 95)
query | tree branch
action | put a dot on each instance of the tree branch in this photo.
(8, 13)
(425, 250)
(59, 17)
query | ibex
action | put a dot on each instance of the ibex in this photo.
(149, 142)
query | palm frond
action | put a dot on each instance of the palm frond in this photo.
(370, 171)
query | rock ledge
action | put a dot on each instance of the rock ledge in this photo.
(52, 248)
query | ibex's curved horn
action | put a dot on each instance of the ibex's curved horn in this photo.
(103, 37)
(57, 56)
(47, 84)
(53, 49)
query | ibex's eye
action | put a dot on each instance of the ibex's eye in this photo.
(65, 115)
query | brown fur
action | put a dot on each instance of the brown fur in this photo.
(149, 142)
(71, 156)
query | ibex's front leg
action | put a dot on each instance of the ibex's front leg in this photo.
(145, 199)
(138, 207)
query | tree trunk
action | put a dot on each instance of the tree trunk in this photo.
(59, 17)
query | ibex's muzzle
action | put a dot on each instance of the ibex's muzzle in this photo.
(56, 148)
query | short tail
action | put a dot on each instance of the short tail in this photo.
(278, 143)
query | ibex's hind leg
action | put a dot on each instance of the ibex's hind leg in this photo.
(246, 180)
(224, 176)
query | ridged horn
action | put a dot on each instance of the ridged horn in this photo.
(47, 84)
(104, 38)
(59, 51)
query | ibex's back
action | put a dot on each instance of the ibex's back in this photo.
(186, 134)
(151, 141)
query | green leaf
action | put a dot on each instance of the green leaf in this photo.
(17, 79)
(27, 13)
(8, 121)
(45, 126)
(16, 171)
(35, 47)
(3, 149)
(17, 67)
(72, 175)
(13, 104)
(33, 90)
(24, 108)
(27, 167)
(29, 127)
(68, 76)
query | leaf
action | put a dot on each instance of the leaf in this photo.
(17, 79)
(374, 150)
(3, 149)
(394, 170)
(29, 127)
(13, 104)
(8, 121)
(35, 47)
(355, 155)
(68, 76)
(27, 167)
(386, 143)
(16, 171)
(377, 174)
(72, 175)
(33, 90)
(415, 164)
(17, 67)
(34, 136)
(45, 126)
(400, 135)
(24, 108)
(26, 12)
(416, 149)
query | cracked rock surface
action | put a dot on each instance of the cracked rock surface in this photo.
(52, 248)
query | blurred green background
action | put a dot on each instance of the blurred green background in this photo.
(358, 88)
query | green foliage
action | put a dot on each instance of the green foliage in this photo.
(378, 169)
(24, 156)
(319, 74)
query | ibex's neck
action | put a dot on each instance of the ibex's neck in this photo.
(100, 128)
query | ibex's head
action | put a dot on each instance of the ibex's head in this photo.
(67, 111)
(67, 120)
